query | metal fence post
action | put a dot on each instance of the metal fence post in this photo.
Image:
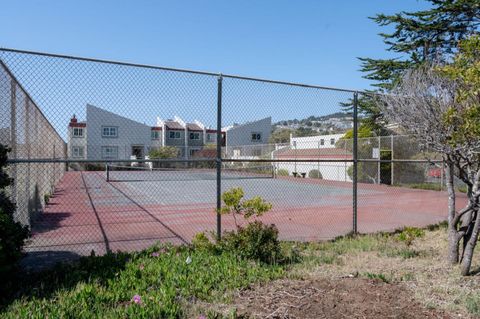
(355, 161)
(219, 156)
(13, 135)
(391, 160)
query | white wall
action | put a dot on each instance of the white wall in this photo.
(129, 133)
(330, 170)
(314, 141)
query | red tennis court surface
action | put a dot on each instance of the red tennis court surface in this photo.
(87, 213)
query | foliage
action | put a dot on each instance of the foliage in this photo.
(280, 136)
(417, 37)
(283, 172)
(255, 241)
(439, 105)
(235, 204)
(164, 152)
(12, 233)
(315, 173)
(409, 234)
(160, 279)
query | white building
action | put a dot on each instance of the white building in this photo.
(322, 148)
(318, 141)
(105, 135)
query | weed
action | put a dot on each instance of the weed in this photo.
(380, 277)
(473, 304)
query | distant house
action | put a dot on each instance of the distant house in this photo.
(249, 140)
(322, 148)
(318, 141)
(106, 135)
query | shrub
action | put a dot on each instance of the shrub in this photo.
(409, 234)
(235, 204)
(12, 234)
(282, 172)
(315, 173)
(255, 241)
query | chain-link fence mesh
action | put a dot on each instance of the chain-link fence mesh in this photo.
(115, 156)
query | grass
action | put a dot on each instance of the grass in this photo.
(170, 287)
(104, 287)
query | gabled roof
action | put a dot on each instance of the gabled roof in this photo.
(172, 125)
(194, 127)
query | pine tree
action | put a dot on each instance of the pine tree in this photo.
(418, 37)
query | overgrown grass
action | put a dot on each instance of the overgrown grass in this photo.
(161, 279)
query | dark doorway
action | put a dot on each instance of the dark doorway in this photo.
(137, 151)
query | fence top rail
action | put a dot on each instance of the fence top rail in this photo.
(148, 66)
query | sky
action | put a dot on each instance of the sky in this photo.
(313, 42)
(308, 41)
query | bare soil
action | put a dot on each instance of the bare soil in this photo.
(339, 298)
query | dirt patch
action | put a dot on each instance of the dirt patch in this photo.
(340, 298)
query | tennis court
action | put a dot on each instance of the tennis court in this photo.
(87, 212)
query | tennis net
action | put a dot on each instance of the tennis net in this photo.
(119, 173)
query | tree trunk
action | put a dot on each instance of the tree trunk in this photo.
(470, 247)
(453, 238)
(473, 227)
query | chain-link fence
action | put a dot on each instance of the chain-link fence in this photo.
(117, 156)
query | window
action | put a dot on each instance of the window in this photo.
(256, 137)
(77, 132)
(155, 135)
(78, 151)
(194, 136)
(109, 152)
(322, 142)
(332, 141)
(174, 134)
(211, 137)
(109, 131)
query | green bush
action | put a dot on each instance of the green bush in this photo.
(235, 204)
(282, 172)
(409, 234)
(12, 233)
(255, 241)
(315, 173)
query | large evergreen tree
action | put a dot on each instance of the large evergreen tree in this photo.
(417, 37)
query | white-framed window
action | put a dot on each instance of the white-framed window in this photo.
(78, 151)
(109, 152)
(332, 141)
(174, 134)
(109, 131)
(155, 135)
(77, 132)
(256, 137)
(210, 137)
(194, 135)
(322, 141)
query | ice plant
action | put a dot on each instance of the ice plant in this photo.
(137, 299)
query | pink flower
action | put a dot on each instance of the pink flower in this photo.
(202, 317)
(141, 267)
(155, 254)
(137, 299)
